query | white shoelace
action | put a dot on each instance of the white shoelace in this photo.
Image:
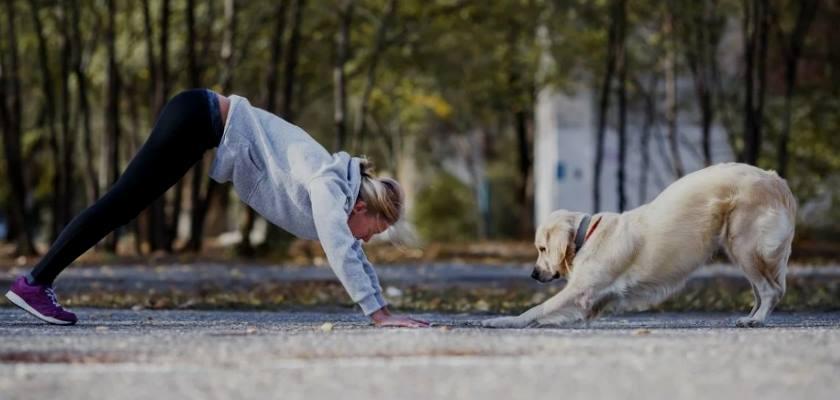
(52, 296)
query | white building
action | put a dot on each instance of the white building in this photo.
(564, 152)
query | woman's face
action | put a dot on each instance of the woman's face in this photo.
(364, 224)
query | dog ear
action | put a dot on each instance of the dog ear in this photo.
(561, 241)
(569, 253)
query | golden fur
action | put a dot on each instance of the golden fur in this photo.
(640, 257)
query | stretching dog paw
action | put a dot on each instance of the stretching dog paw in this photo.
(748, 322)
(505, 322)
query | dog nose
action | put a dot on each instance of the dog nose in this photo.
(535, 274)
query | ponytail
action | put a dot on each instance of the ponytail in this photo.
(383, 196)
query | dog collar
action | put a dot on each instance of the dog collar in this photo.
(580, 236)
(583, 232)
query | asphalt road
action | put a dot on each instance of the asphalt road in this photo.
(292, 355)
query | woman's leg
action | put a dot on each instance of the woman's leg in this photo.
(183, 132)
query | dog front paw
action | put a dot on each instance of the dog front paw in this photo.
(505, 322)
(748, 322)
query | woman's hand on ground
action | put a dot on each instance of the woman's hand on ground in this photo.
(383, 318)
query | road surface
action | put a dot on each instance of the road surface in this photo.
(189, 354)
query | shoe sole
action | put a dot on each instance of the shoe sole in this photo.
(18, 301)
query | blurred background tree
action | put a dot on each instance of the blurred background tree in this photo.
(441, 94)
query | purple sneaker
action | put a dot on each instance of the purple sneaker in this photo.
(40, 301)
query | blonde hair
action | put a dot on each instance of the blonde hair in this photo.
(383, 196)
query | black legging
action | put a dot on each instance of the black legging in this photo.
(189, 125)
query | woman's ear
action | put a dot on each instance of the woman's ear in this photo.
(360, 207)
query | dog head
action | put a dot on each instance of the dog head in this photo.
(555, 241)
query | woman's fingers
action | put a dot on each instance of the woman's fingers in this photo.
(415, 324)
(402, 322)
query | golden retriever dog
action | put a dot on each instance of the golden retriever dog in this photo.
(638, 258)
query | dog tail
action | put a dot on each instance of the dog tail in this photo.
(777, 228)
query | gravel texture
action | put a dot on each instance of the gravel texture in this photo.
(188, 354)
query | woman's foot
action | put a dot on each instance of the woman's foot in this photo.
(40, 301)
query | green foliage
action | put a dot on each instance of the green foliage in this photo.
(446, 68)
(445, 210)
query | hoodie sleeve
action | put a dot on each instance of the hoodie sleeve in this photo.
(371, 273)
(343, 251)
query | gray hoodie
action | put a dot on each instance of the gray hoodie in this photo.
(292, 181)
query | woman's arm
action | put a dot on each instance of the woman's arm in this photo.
(330, 220)
(345, 257)
(383, 316)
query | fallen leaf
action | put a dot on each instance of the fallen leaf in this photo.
(482, 305)
(392, 291)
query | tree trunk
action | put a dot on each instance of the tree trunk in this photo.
(49, 112)
(199, 201)
(342, 48)
(269, 102)
(271, 77)
(360, 122)
(756, 24)
(170, 222)
(706, 119)
(274, 233)
(151, 62)
(671, 92)
(807, 12)
(621, 71)
(84, 107)
(68, 137)
(292, 61)
(764, 27)
(700, 46)
(214, 189)
(132, 146)
(11, 123)
(526, 193)
(229, 61)
(112, 112)
(164, 52)
(522, 95)
(160, 231)
(649, 123)
(152, 213)
(192, 61)
(604, 105)
(748, 21)
(228, 42)
(198, 178)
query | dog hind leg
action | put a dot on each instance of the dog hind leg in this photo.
(762, 250)
(756, 300)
